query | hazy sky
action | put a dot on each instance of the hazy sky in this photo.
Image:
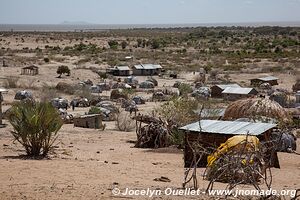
(147, 11)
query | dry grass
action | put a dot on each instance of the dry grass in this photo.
(124, 122)
(11, 82)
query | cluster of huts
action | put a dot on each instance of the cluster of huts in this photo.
(136, 70)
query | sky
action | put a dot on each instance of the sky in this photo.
(147, 11)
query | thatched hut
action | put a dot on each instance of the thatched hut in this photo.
(257, 109)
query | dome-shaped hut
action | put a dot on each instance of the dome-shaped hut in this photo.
(256, 109)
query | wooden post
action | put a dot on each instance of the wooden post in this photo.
(1, 99)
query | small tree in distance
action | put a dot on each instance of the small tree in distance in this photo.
(63, 70)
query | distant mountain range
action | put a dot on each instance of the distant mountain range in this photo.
(75, 23)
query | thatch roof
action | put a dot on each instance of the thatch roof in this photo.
(256, 108)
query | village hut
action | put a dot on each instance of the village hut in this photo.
(210, 134)
(201, 93)
(120, 71)
(235, 93)
(152, 80)
(268, 79)
(24, 94)
(131, 80)
(30, 70)
(2, 91)
(146, 85)
(89, 121)
(60, 103)
(80, 102)
(146, 70)
(216, 90)
(138, 100)
(256, 109)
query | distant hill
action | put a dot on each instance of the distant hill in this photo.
(75, 23)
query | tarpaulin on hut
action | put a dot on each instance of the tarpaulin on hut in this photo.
(234, 142)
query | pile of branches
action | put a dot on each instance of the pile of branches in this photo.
(155, 134)
(243, 164)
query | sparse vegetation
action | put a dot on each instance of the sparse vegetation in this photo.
(36, 126)
(124, 122)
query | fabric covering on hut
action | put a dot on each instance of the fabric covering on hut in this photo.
(146, 84)
(152, 80)
(257, 109)
(21, 95)
(60, 103)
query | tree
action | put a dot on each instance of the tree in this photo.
(63, 70)
(113, 44)
(124, 44)
(35, 125)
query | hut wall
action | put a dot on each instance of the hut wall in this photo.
(137, 72)
(233, 97)
(216, 92)
(210, 141)
(88, 122)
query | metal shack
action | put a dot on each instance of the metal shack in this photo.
(216, 90)
(146, 69)
(89, 121)
(268, 79)
(234, 93)
(214, 132)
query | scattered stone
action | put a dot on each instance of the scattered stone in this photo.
(162, 179)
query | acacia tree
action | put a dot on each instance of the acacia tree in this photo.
(63, 70)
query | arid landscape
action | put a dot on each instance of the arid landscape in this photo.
(87, 163)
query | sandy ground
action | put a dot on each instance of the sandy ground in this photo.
(87, 164)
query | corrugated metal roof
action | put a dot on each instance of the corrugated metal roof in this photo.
(147, 66)
(138, 66)
(268, 78)
(229, 127)
(223, 86)
(236, 90)
(123, 68)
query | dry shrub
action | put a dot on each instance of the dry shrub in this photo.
(65, 88)
(179, 110)
(84, 92)
(47, 93)
(124, 122)
(11, 82)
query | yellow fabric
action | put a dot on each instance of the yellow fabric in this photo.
(233, 142)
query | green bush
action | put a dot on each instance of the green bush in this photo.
(35, 125)
(94, 110)
(185, 89)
